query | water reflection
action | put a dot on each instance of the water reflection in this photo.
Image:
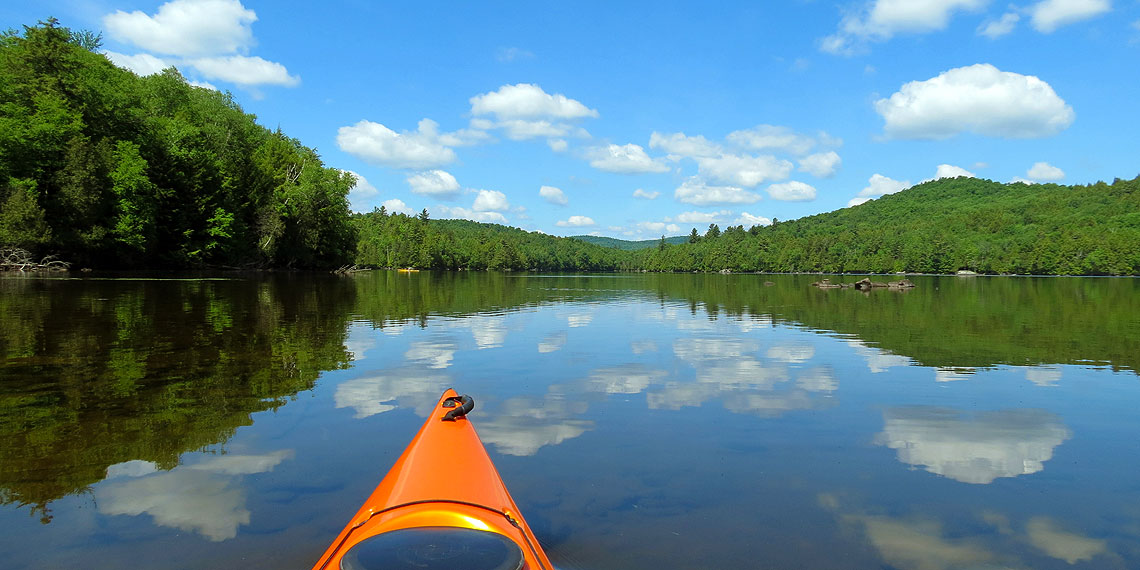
(977, 449)
(403, 387)
(523, 425)
(1046, 535)
(205, 497)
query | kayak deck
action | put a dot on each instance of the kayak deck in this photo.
(442, 500)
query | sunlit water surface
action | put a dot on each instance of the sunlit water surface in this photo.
(640, 421)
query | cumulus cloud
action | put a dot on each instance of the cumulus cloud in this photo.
(1049, 15)
(1071, 547)
(142, 64)
(553, 195)
(747, 219)
(979, 449)
(658, 227)
(646, 194)
(821, 164)
(747, 171)
(951, 171)
(377, 144)
(445, 212)
(702, 217)
(878, 185)
(528, 101)
(793, 191)
(881, 20)
(1045, 171)
(697, 192)
(361, 193)
(557, 145)
(491, 201)
(997, 28)
(436, 183)
(524, 111)
(624, 159)
(186, 27)
(245, 70)
(777, 138)
(396, 206)
(980, 99)
(575, 222)
(680, 145)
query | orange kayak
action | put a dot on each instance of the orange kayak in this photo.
(442, 505)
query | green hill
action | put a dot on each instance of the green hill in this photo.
(627, 245)
(940, 226)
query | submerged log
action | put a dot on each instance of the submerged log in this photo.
(17, 259)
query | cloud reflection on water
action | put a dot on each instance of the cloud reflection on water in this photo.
(204, 497)
(523, 425)
(978, 449)
(399, 387)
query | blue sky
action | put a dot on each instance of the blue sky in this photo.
(639, 119)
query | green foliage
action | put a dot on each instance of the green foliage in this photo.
(132, 171)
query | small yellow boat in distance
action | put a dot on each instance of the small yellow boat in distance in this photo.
(408, 270)
(441, 506)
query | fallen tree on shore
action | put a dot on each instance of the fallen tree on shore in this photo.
(17, 259)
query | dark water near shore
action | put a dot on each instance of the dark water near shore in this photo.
(640, 421)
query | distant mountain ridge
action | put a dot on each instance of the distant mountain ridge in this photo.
(628, 245)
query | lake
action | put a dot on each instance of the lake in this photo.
(639, 420)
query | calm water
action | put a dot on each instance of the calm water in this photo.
(640, 421)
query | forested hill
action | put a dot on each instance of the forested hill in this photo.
(939, 227)
(110, 169)
(630, 245)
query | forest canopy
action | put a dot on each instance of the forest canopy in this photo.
(112, 170)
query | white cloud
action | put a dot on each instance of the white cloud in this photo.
(396, 206)
(437, 355)
(521, 426)
(682, 145)
(878, 185)
(980, 99)
(245, 70)
(1045, 171)
(552, 342)
(575, 222)
(793, 191)
(553, 195)
(951, 171)
(747, 219)
(821, 164)
(205, 497)
(624, 159)
(646, 194)
(491, 201)
(1071, 547)
(186, 27)
(776, 138)
(883, 19)
(979, 449)
(528, 101)
(465, 214)
(378, 144)
(702, 217)
(361, 193)
(520, 130)
(697, 192)
(658, 227)
(142, 64)
(438, 183)
(557, 145)
(407, 386)
(1049, 15)
(509, 54)
(747, 171)
(997, 28)
(203, 85)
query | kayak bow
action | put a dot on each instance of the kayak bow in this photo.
(442, 505)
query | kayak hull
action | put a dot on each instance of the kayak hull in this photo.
(444, 479)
